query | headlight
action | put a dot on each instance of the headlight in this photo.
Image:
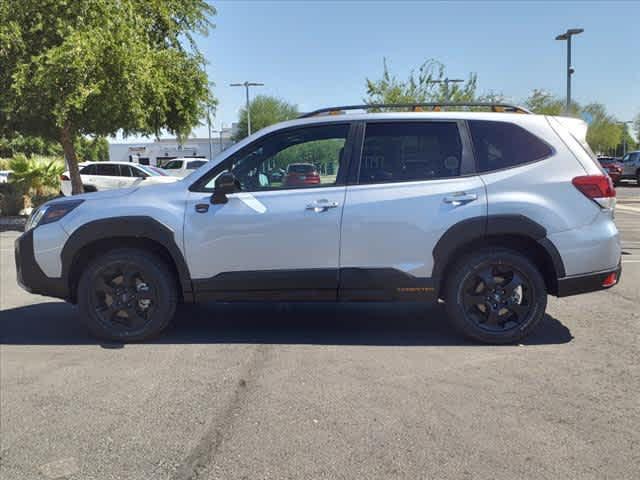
(50, 212)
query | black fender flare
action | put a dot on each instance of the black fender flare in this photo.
(140, 227)
(478, 228)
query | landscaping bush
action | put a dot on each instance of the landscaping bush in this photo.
(13, 200)
(38, 176)
(34, 180)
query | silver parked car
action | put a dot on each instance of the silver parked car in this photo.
(631, 166)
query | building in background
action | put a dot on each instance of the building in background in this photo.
(159, 152)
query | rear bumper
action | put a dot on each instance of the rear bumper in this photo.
(30, 275)
(591, 282)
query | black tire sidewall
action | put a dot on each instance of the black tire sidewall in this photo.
(466, 266)
(162, 279)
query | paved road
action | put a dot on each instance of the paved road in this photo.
(275, 392)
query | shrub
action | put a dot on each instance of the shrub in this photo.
(37, 176)
(13, 200)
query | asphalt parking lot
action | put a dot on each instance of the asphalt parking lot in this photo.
(324, 391)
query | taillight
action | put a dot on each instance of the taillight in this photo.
(64, 177)
(598, 188)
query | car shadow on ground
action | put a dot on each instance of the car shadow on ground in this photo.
(57, 323)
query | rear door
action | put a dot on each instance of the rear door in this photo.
(107, 176)
(414, 182)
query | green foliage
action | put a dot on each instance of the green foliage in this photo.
(36, 175)
(324, 154)
(265, 111)
(545, 103)
(92, 149)
(29, 145)
(424, 85)
(4, 163)
(636, 126)
(605, 132)
(93, 67)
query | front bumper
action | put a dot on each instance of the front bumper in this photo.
(591, 282)
(30, 275)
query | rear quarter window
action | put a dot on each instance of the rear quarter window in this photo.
(499, 145)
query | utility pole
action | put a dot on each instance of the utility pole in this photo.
(446, 81)
(567, 36)
(209, 124)
(624, 136)
(246, 84)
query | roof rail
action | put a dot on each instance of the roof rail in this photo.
(419, 107)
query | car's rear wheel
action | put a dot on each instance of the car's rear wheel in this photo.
(495, 296)
(127, 295)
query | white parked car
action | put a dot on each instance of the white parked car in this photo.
(99, 176)
(4, 175)
(181, 167)
(488, 212)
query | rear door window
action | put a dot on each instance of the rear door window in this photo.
(107, 169)
(195, 164)
(499, 145)
(410, 151)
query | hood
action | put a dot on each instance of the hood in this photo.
(105, 194)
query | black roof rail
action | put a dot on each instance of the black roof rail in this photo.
(419, 107)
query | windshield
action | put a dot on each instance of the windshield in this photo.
(153, 170)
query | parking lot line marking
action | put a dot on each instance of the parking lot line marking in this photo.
(627, 208)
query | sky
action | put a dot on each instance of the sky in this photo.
(317, 54)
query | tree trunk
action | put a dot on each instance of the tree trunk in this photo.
(66, 139)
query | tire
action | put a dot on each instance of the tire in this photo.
(638, 177)
(127, 295)
(504, 307)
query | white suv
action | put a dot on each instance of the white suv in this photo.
(486, 211)
(99, 176)
(181, 167)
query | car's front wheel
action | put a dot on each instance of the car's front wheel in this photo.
(127, 295)
(495, 296)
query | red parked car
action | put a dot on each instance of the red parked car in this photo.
(613, 166)
(301, 175)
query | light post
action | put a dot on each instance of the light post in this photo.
(246, 85)
(624, 137)
(567, 36)
(446, 82)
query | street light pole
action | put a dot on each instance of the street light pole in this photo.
(209, 124)
(446, 82)
(624, 137)
(246, 85)
(567, 36)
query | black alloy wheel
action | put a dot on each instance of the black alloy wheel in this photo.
(497, 297)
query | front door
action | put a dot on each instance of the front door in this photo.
(278, 237)
(414, 183)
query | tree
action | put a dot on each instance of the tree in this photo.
(604, 132)
(265, 111)
(422, 86)
(14, 143)
(544, 103)
(636, 126)
(92, 149)
(93, 67)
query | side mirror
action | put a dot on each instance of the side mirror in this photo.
(225, 184)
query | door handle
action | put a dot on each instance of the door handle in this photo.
(321, 206)
(460, 198)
